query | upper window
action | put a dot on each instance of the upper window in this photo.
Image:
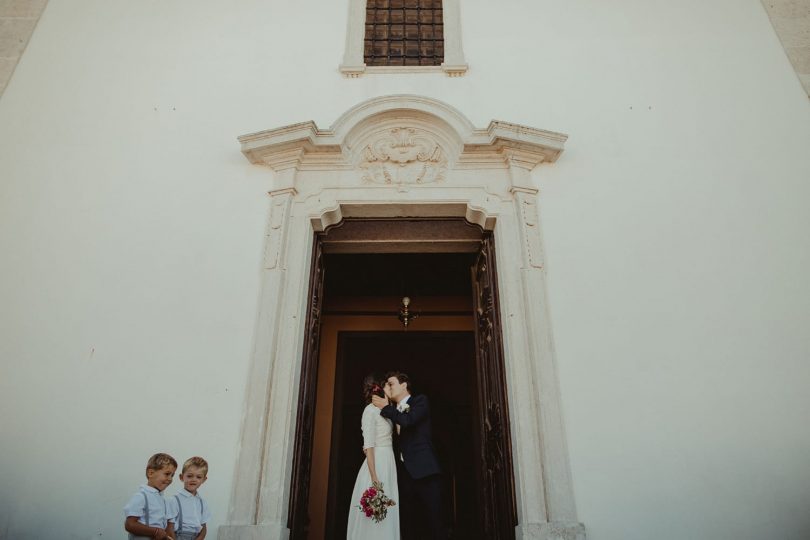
(404, 33)
(413, 36)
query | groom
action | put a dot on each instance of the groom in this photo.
(419, 474)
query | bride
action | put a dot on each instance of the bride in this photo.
(379, 466)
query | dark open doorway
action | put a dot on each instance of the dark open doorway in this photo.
(462, 373)
(441, 366)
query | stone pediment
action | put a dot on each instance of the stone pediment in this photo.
(401, 140)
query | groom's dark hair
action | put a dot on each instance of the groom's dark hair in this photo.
(401, 377)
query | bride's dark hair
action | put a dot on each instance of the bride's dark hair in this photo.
(371, 387)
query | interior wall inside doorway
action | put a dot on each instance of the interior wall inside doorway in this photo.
(441, 366)
(332, 326)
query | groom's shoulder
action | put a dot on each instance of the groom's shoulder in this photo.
(419, 398)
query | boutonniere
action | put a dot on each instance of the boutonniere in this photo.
(406, 408)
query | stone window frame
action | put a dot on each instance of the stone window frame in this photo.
(353, 65)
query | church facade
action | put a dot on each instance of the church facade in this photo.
(211, 216)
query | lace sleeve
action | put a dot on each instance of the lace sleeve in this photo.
(369, 427)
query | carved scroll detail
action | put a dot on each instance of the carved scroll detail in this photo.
(404, 156)
(275, 230)
(531, 230)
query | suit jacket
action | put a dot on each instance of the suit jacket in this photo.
(415, 437)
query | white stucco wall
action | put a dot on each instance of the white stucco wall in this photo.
(676, 231)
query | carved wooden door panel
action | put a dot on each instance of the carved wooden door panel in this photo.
(496, 477)
(298, 517)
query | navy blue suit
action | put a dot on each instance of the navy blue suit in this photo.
(421, 479)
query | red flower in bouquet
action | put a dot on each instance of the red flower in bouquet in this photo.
(374, 503)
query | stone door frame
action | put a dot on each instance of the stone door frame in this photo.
(402, 157)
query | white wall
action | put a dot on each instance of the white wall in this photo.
(131, 234)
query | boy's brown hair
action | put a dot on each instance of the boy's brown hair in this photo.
(160, 460)
(196, 462)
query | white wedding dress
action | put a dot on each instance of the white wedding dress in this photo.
(377, 433)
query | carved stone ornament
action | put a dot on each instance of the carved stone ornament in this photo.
(404, 156)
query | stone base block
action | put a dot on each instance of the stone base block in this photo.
(554, 530)
(277, 531)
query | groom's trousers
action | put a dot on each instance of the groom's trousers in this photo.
(422, 506)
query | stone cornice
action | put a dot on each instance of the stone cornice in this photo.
(521, 145)
(286, 147)
(304, 145)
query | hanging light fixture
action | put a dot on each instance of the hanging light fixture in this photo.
(405, 315)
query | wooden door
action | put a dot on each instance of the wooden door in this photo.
(499, 516)
(298, 516)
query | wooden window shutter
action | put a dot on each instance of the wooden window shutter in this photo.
(404, 33)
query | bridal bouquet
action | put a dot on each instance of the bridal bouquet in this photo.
(374, 503)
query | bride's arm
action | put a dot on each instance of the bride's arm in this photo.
(418, 410)
(369, 439)
(371, 464)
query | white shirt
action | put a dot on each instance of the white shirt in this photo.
(160, 512)
(195, 511)
(402, 403)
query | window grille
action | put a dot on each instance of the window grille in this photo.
(404, 33)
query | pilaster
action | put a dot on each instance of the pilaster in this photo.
(247, 504)
(18, 19)
(548, 421)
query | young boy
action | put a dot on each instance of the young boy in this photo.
(191, 510)
(148, 514)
